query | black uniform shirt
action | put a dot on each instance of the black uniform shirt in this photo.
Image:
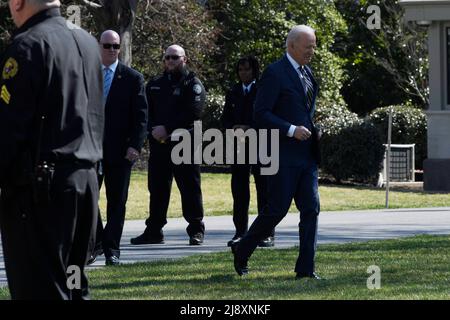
(175, 101)
(51, 68)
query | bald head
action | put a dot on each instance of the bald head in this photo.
(301, 44)
(176, 49)
(109, 35)
(174, 58)
(109, 47)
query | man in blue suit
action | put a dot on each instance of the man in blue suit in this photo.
(125, 132)
(286, 102)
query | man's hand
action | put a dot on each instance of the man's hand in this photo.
(132, 154)
(301, 133)
(159, 133)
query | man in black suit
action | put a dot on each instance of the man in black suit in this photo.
(286, 102)
(125, 132)
(238, 114)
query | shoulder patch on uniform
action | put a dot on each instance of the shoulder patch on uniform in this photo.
(197, 88)
(5, 95)
(10, 69)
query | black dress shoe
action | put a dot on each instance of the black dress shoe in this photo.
(196, 239)
(266, 243)
(312, 275)
(234, 240)
(94, 256)
(240, 264)
(112, 261)
(146, 238)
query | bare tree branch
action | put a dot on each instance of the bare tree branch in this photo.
(92, 4)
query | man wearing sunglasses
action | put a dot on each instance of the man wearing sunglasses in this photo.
(176, 99)
(125, 132)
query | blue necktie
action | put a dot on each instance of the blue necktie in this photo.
(107, 80)
(309, 87)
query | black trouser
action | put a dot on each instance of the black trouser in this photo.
(161, 172)
(301, 184)
(240, 188)
(117, 181)
(40, 243)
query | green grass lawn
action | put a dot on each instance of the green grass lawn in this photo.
(218, 200)
(411, 268)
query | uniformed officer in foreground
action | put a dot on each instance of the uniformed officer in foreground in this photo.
(51, 128)
(175, 100)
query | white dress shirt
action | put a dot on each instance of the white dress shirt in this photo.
(295, 65)
(249, 87)
(112, 67)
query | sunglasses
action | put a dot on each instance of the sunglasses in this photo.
(173, 57)
(115, 46)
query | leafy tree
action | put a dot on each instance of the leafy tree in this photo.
(162, 23)
(6, 26)
(386, 66)
(155, 25)
(118, 15)
(260, 28)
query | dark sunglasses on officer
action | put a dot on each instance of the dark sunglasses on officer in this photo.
(172, 57)
(108, 46)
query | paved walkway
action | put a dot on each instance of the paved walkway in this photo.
(334, 227)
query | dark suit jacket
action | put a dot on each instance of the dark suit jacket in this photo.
(280, 103)
(125, 114)
(238, 109)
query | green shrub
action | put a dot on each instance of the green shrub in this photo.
(353, 152)
(409, 125)
(333, 118)
(212, 112)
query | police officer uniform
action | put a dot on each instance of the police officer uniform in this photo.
(51, 124)
(175, 101)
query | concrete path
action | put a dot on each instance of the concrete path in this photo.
(334, 227)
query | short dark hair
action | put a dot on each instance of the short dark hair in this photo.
(253, 62)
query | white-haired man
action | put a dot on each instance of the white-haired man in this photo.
(286, 101)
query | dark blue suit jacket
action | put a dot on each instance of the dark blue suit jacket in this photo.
(280, 103)
(238, 109)
(125, 114)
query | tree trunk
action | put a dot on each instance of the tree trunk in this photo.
(118, 15)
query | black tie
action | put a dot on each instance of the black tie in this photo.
(309, 87)
(245, 91)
